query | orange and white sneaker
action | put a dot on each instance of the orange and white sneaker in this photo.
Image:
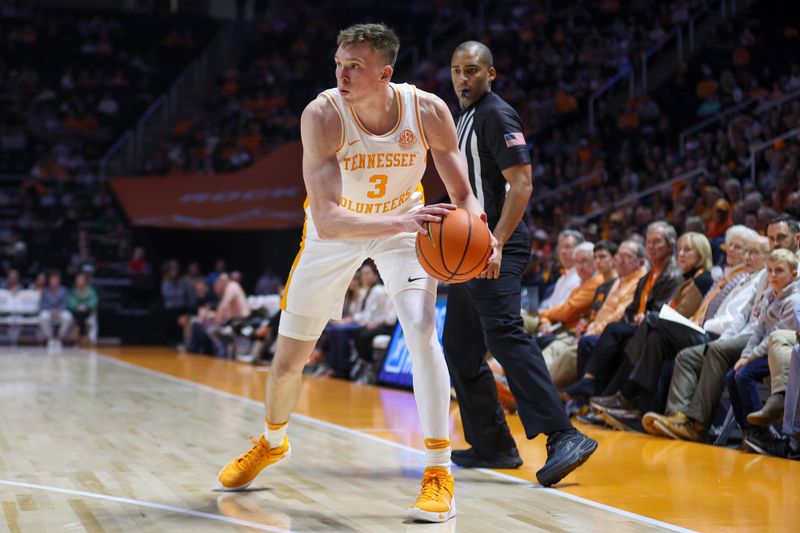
(436, 502)
(240, 472)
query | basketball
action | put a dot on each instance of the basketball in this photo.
(456, 249)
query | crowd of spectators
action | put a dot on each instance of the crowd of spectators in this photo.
(550, 57)
(72, 81)
(47, 311)
(668, 330)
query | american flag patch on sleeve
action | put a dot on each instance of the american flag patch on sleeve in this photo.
(514, 139)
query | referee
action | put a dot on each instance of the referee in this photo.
(485, 312)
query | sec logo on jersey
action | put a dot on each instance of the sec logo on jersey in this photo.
(407, 139)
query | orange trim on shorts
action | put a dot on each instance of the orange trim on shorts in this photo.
(437, 444)
(296, 259)
(419, 119)
(360, 126)
(342, 137)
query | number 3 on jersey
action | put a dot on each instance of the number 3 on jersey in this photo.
(380, 185)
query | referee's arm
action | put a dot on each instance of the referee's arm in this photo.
(519, 179)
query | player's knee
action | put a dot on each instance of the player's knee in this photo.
(286, 364)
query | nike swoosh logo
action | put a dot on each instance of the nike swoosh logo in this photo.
(410, 279)
(352, 143)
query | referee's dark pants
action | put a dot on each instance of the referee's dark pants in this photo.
(485, 314)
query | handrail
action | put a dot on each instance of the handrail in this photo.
(777, 103)
(624, 71)
(765, 105)
(572, 183)
(646, 192)
(710, 120)
(757, 147)
(102, 164)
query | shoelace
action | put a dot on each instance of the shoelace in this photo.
(245, 460)
(432, 485)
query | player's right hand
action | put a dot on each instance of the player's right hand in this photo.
(430, 213)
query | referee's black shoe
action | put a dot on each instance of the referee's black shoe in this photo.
(566, 451)
(469, 458)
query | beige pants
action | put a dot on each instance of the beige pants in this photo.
(561, 357)
(779, 355)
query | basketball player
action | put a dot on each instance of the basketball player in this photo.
(485, 312)
(364, 153)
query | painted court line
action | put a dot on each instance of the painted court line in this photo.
(150, 505)
(343, 429)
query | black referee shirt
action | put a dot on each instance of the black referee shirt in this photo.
(490, 136)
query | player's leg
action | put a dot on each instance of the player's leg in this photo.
(313, 295)
(414, 296)
(416, 313)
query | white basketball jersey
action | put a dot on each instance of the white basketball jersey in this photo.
(381, 174)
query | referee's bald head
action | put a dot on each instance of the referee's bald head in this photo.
(482, 52)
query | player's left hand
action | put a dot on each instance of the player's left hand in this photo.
(492, 270)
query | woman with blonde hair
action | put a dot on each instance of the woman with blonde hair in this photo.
(633, 389)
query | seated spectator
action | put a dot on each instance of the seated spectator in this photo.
(561, 355)
(579, 302)
(636, 376)
(13, 283)
(207, 335)
(82, 303)
(776, 313)
(659, 340)
(569, 279)
(787, 444)
(268, 283)
(39, 283)
(175, 299)
(374, 308)
(53, 311)
(600, 356)
(138, 265)
(699, 375)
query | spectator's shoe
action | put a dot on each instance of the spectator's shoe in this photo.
(240, 472)
(771, 411)
(681, 427)
(504, 396)
(776, 446)
(615, 401)
(566, 451)
(623, 419)
(583, 388)
(649, 423)
(575, 408)
(591, 417)
(470, 459)
(436, 502)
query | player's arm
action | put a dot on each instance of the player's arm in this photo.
(440, 131)
(321, 131)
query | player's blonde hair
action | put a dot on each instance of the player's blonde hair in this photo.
(380, 37)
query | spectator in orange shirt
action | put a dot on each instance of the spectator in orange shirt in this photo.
(579, 301)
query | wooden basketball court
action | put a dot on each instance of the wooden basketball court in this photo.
(132, 440)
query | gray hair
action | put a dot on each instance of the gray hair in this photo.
(587, 247)
(571, 233)
(670, 235)
(741, 231)
(641, 253)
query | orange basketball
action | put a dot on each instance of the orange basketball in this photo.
(456, 249)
